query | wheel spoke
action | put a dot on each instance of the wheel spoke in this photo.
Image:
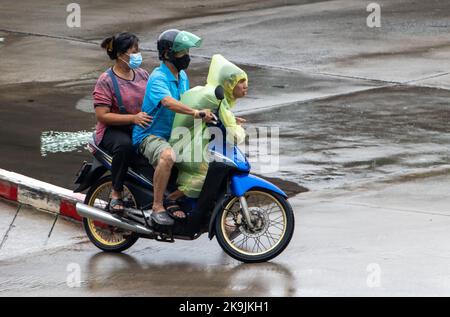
(262, 244)
(274, 225)
(245, 241)
(271, 237)
(254, 245)
(243, 238)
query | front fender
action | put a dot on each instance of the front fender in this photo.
(242, 183)
(217, 208)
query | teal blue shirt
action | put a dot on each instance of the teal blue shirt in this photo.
(162, 83)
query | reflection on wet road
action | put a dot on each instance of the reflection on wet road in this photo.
(56, 141)
(266, 279)
(29, 238)
(368, 136)
(148, 269)
(364, 136)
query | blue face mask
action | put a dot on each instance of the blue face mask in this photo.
(135, 60)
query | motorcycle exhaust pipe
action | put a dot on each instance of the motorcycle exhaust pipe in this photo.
(97, 214)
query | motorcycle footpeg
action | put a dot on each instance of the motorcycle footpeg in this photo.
(165, 238)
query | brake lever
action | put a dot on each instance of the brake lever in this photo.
(215, 121)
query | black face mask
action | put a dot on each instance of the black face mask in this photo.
(181, 63)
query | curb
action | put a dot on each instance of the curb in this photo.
(40, 195)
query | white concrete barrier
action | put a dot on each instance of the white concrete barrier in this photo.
(38, 194)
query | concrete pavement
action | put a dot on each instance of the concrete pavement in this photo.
(25, 230)
(387, 239)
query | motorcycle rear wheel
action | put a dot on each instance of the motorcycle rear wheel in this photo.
(105, 237)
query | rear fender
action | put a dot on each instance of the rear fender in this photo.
(89, 174)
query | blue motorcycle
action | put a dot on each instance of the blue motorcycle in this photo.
(250, 217)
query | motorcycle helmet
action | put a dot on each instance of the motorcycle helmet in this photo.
(173, 41)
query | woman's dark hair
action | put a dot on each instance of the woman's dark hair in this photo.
(119, 44)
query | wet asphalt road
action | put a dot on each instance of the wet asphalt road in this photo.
(363, 118)
(376, 135)
(385, 239)
(303, 50)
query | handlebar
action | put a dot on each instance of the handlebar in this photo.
(214, 122)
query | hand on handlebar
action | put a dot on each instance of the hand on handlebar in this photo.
(240, 121)
(207, 115)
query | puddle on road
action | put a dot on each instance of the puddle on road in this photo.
(365, 136)
(85, 104)
(323, 144)
(65, 141)
(327, 144)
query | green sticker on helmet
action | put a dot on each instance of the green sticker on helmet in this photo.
(185, 40)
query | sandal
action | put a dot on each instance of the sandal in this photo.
(113, 202)
(162, 218)
(172, 208)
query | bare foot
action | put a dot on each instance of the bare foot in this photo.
(158, 208)
(179, 214)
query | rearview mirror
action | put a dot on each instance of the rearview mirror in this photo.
(219, 92)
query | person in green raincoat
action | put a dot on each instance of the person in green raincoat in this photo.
(189, 137)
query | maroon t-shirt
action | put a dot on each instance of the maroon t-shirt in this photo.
(132, 92)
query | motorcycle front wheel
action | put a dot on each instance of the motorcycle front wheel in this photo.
(273, 226)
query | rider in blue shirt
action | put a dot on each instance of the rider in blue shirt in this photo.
(162, 83)
(162, 100)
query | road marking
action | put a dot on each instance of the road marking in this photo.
(53, 226)
(5, 237)
(206, 57)
(415, 211)
(427, 77)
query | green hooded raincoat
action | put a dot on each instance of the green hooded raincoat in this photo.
(190, 137)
